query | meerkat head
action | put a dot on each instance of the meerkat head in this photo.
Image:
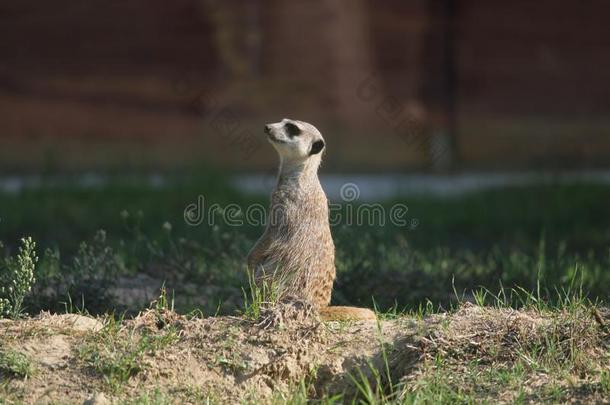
(295, 140)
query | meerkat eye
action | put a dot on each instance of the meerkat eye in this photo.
(291, 129)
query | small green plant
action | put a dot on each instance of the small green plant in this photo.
(480, 296)
(157, 397)
(93, 272)
(15, 364)
(118, 356)
(262, 294)
(376, 386)
(605, 382)
(299, 393)
(17, 278)
(370, 388)
(162, 303)
(161, 306)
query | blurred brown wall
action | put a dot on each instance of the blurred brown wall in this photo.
(392, 84)
(534, 82)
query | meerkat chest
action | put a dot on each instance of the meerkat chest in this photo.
(299, 210)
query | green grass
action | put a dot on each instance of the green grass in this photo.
(564, 357)
(15, 364)
(537, 238)
(118, 356)
(260, 295)
(515, 216)
(151, 398)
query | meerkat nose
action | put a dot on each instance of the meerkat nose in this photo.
(267, 129)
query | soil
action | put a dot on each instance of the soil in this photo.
(236, 360)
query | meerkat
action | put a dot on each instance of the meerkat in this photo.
(296, 252)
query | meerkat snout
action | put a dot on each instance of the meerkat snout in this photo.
(295, 140)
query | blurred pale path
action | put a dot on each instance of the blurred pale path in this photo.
(369, 187)
(380, 187)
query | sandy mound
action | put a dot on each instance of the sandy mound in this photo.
(232, 360)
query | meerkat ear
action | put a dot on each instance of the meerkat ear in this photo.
(316, 147)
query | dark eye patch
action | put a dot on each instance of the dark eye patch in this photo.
(291, 129)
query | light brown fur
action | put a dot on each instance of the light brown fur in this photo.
(296, 252)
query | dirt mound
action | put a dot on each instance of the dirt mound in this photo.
(163, 357)
(565, 349)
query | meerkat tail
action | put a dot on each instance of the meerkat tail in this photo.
(346, 314)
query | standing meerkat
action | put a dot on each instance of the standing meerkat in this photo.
(296, 252)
